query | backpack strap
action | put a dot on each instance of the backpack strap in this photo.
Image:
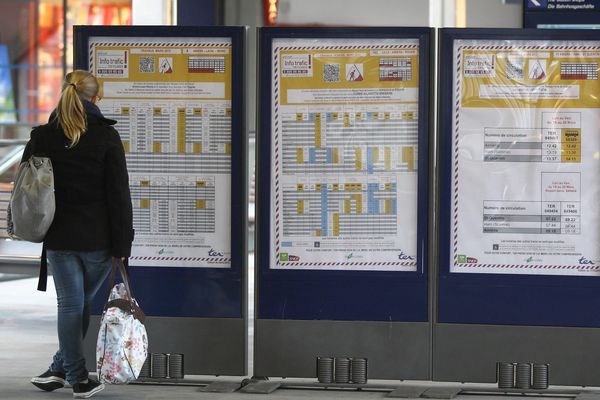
(43, 278)
(35, 139)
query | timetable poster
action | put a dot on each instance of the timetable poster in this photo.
(526, 157)
(344, 154)
(171, 98)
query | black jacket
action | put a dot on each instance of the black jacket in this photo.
(93, 202)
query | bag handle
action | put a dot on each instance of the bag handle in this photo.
(42, 129)
(117, 263)
(40, 141)
(127, 306)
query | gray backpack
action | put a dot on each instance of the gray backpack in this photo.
(32, 205)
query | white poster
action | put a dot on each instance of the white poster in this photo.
(171, 98)
(344, 154)
(526, 158)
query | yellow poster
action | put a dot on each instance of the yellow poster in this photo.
(171, 98)
(344, 160)
(526, 157)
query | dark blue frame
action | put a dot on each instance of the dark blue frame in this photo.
(537, 300)
(198, 13)
(193, 292)
(340, 295)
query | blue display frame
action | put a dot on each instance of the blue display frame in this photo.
(186, 291)
(497, 299)
(340, 295)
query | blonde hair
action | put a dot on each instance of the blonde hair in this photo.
(77, 85)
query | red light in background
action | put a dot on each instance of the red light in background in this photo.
(270, 8)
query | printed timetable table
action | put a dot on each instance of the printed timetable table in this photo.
(532, 217)
(395, 69)
(585, 71)
(206, 65)
(558, 211)
(559, 141)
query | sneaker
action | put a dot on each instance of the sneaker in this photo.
(49, 381)
(85, 390)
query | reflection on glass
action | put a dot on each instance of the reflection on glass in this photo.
(35, 52)
(94, 12)
(7, 99)
(39, 53)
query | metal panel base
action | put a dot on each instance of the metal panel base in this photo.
(468, 353)
(395, 350)
(211, 346)
(261, 387)
(593, 395)
(221, 387)
(407, 392)
(440, 393)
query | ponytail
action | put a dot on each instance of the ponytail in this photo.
(70, 111)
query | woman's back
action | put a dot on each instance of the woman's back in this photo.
(93, 206)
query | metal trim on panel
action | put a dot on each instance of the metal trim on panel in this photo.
(195, 292)
(468, 353)
(494, 298)
(202, 312)
(289, 348)
(295, 283)
(211, 346)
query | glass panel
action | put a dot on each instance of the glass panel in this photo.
(50, 45)
(94, 12)
(36, 50)
(22, 36)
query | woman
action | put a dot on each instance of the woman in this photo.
(92, 222)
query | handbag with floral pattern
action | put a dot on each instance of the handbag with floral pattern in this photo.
(122, 346)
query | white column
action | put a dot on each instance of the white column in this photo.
(436, 13)
(449, 12)
(151, 12)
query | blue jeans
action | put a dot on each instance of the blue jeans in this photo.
(77, 277)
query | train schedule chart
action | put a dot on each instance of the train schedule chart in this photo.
(344, 159)
(171, 98)
(526, 158)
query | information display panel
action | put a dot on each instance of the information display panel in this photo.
(343, 172)
(176, 94)
(520, 157)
